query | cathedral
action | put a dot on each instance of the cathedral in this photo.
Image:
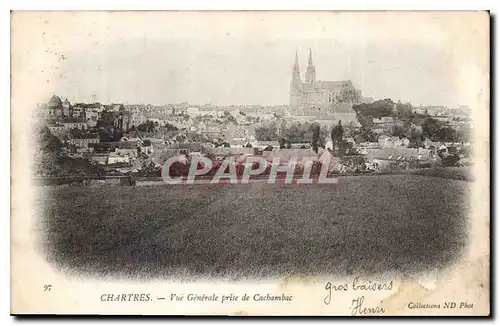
(330, 97)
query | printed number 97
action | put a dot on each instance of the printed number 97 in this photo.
(47, 287)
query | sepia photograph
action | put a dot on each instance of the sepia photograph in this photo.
(250, 163)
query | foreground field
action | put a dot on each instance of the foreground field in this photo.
(400, 223)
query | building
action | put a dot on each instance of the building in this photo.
(193, 112)
(78, 112)
(92, 123)
(401, 157)
(318, 94)
(432, 110)
(383, 125)
(83, 142)
(91, 114)
(115, 159)
(52, 109)
(266, 143)
(56, 129)
(74, 123)
(394, 141)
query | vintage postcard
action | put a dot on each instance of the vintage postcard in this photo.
(250, 163)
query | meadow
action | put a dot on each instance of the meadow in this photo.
(364, 224)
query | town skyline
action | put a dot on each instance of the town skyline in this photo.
(189, 81)
(247, 59)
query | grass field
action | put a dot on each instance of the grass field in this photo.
(372, 224)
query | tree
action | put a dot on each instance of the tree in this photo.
(148, 126)
(377, 109)
(336, 135)
(281, 141)
(268, 133)
(171, 127)
(404, 109)
(149, 169)
(49, 142)
(365, 133)
(464, 134)
(282, 127)
(315, 138)
(398, 131)
(47, 158)
(449, 160)
(416, 138)
(447, 134)
(430, 129)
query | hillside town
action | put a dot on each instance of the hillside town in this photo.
(323, 119)
(120, 139)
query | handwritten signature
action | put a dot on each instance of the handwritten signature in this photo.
(358, 308)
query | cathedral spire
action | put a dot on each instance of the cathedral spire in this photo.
(296, 64)
(296, 69)
(296, 83)
(311, 71)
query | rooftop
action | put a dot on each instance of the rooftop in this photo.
(73, 120)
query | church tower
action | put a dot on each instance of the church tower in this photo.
(296, 83)
(311, 71)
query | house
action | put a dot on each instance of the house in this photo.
(383, 157)
(202, 125)
(193, 112)
(207, 111)
(386, 141)
(92, 123)
(264, 144)
(99, 159)
(367, 144)
(212, 129)
(238, 142)
(72, 123)
(114, 159)
(187, 148)
(78, 111)
(242, 119)
(301, 145)
(432, 110)
(228, 151)
(56, 129)
(81, 150)
(84, 141)
(146, 145)
(127, 148)
(405, 142)
(286, 155)
(91, 114)
(126, 152)
(384, 124)
(137, 119)
(428, 143)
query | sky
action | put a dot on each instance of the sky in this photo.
(247, 58)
